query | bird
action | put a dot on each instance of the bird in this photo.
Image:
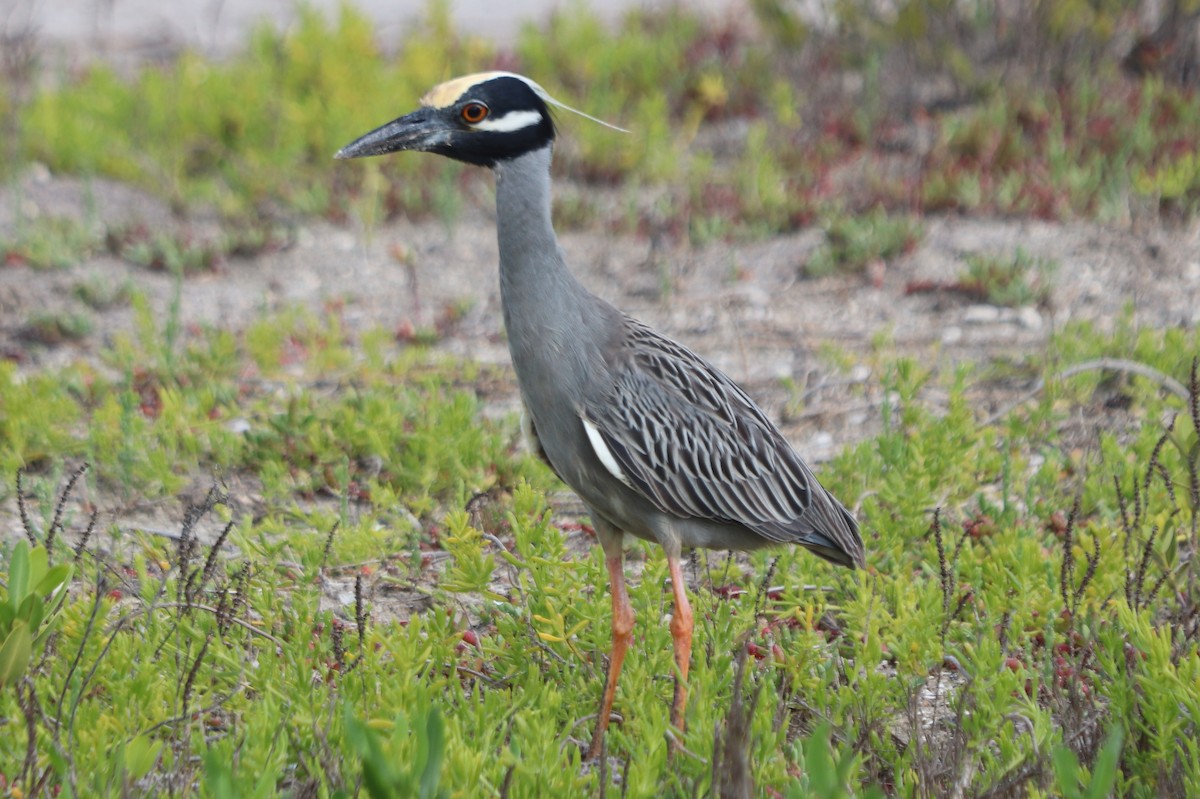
(657, 442)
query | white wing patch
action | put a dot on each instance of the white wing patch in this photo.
(603, 452)
(528, 433)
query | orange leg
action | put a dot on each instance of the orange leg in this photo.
(681, 633)
(622, 631)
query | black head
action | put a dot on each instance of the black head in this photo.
(480, 119)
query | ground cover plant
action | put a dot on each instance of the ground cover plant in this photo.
(1009, 136)
(1044, 597)
(371, 589)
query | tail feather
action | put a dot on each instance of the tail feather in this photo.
(833, 533)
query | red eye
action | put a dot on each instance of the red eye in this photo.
(474, 113)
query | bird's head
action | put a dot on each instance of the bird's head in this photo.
(480, 119)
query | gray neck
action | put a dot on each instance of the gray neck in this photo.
(548, 315)
(533, 274)
(528, 246)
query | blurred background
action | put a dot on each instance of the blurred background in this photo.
(946, 157)
(218, 26)
(927, 77)
(951, 246)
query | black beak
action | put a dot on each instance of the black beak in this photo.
(423, 129)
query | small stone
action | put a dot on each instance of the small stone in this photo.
(952, 334)
(402, 254)
(238, 425)
(1029, 318)
(981, 315)
(780, 370)
(876, 270)
(750, 297)
(822, 440)
(1092, 291)
(39, 172)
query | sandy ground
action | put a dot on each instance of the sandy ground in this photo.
(744, 307)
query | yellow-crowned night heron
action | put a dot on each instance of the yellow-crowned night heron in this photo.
(656, 441)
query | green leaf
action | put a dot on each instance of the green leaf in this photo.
(141, 754)
(218, 776)
(818, 761)
(52, 607)
(39, 564)
(1104, 773)
(18, 575)
(31, 611)
(377, 772)
(378, 777)
(15, 653)
(54, 580)
(1066, 772)
(435, 735)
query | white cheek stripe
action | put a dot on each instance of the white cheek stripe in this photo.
(603, 452)
(512, 121)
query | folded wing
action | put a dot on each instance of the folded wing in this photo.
(685, 436)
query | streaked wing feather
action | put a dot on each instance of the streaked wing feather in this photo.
(692, 442)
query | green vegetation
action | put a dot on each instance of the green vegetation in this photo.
(743, 128)
(852, 243)
(101, 293)
(263, 126)
(1058, 587)
(55, 328)
(49, 243)
(60, 243)
(1095, 151)
(375, 596)
(35, 592)
(1019, 279)
(182, 253)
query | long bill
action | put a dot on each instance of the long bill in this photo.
(423, 129)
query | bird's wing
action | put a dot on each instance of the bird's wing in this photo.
(534, 442)
(682, 434)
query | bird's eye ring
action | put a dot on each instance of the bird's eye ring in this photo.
(474, 113)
